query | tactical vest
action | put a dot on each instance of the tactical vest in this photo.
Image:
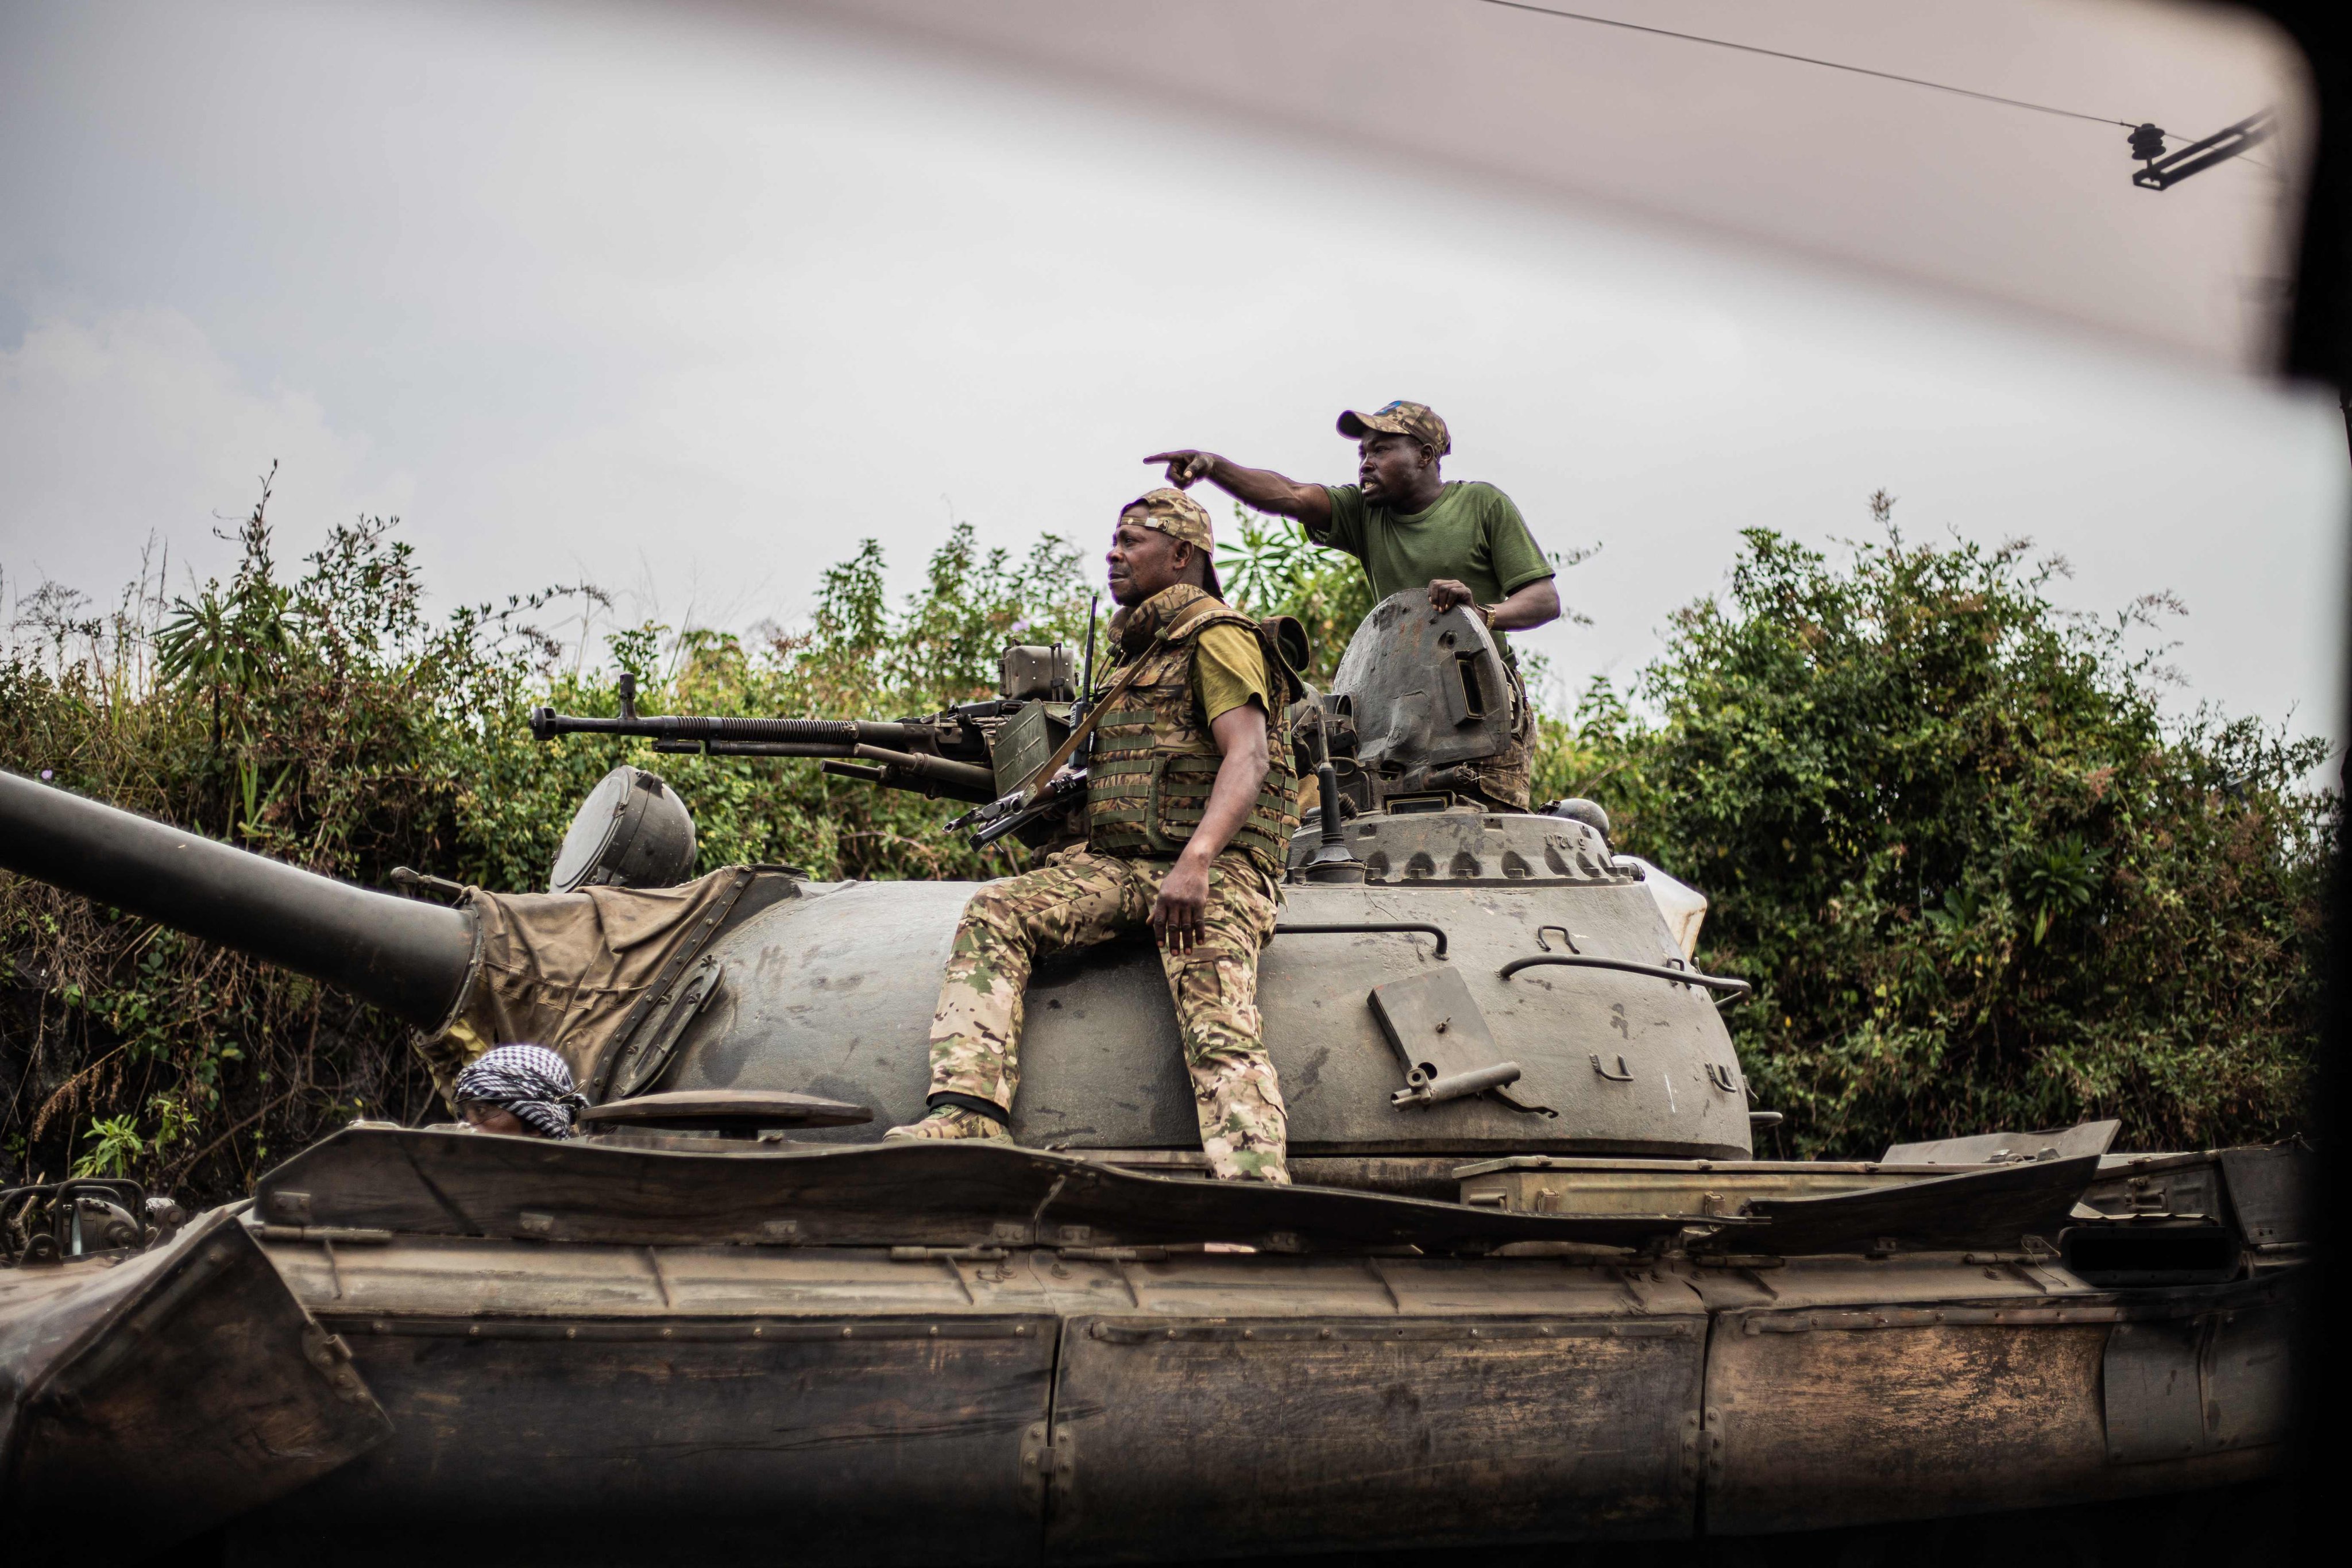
(1155, 761)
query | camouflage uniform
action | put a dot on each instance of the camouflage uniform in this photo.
(1077, 898)
(1148, 785)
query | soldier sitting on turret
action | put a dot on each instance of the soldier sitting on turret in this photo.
(1190, 801)
(1409, 527)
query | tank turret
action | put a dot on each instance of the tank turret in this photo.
(1496, 982)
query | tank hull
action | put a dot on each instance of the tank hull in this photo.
(612, 1405)
(922, 1353)
(163, 1394)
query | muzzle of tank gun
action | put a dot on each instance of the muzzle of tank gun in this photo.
(408, 958)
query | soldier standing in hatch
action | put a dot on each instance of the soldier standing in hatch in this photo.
(1463, 539)
(1191, 802)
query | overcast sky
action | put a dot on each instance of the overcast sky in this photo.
(689, 308)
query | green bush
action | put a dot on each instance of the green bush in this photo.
(322, 718)
(1268, 567)
(1978, 881)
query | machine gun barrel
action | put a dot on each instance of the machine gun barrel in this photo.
(823, 737)
(962, 778)
(902, 748)
(408, 958)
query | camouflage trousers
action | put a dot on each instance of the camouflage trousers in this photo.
(1076, 899)
(1505, 778)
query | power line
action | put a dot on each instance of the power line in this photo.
(1807, 60)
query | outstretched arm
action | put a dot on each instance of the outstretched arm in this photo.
(1533, 604)
(1262, 488)
(1177, 912)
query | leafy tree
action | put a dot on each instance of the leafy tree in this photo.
(1269, 567)
(1978, 880)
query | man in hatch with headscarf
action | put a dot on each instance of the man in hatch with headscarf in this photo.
(522, 1091)
(1190, 801)
(1463, 539)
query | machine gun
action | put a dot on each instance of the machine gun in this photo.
(942, 755)
(1005, 757)
(974, 752)
(1018, 809)
(1033, 802)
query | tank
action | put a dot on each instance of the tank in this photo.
(1532, 1285)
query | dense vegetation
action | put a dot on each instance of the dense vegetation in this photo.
(1978, 878)
(321, 717)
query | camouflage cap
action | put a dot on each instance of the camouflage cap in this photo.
(1417, 420)
(1174, 513)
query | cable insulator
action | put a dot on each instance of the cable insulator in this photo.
(2147, 143)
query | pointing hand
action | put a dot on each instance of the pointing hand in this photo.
(1185, 465)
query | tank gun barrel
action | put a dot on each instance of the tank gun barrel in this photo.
(408, 958)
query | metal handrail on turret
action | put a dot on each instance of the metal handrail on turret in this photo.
(1723, 982)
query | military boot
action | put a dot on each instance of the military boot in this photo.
(951, 1121)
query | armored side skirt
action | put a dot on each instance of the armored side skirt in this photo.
(840, 1406)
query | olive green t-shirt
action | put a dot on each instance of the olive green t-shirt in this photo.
(1471, 533)
(1229, 670)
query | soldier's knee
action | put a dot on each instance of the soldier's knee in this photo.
(991, 911)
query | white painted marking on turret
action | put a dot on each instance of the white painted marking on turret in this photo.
(1667, 1078)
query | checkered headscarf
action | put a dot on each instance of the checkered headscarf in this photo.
(530, 1081)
